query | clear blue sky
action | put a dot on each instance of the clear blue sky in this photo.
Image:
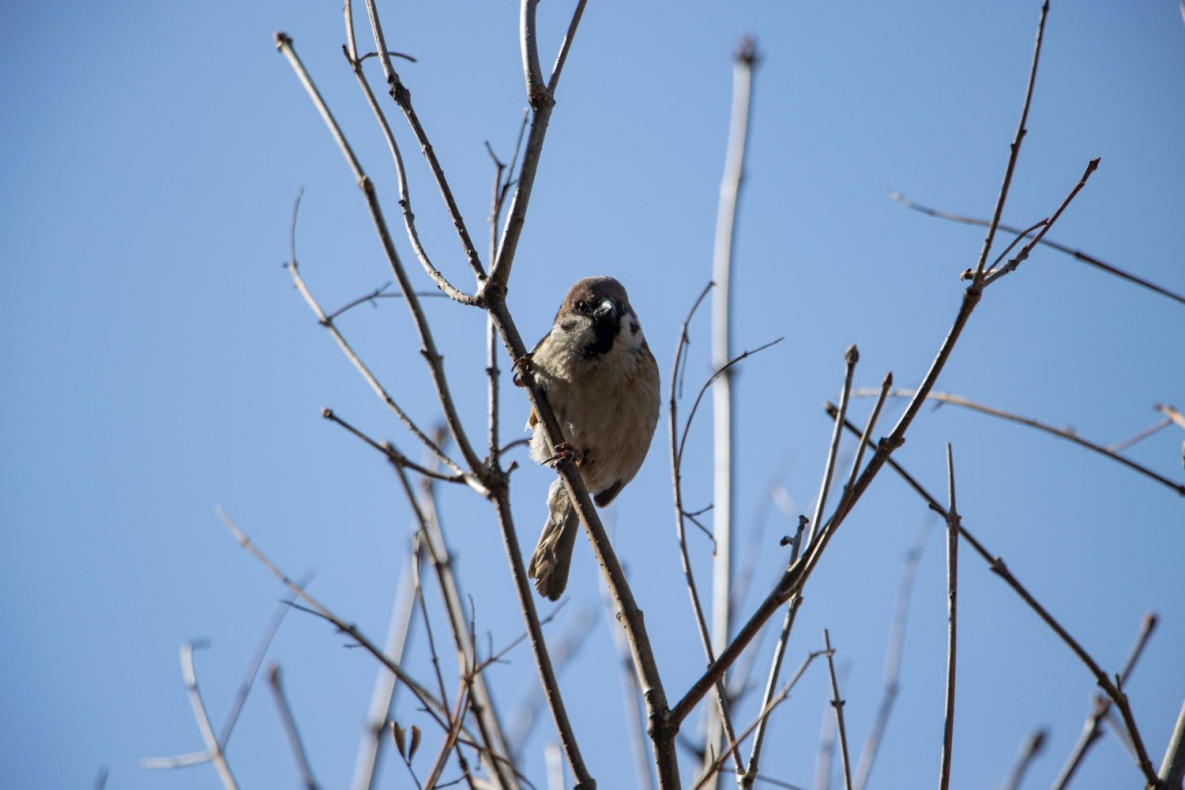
(158, 362)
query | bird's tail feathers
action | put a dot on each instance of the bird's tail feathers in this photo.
(553, 556)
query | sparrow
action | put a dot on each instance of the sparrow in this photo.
(602, 383)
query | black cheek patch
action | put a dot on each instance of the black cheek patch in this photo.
(634, 327)
(568, 325)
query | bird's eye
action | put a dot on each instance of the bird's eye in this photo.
(582, 306)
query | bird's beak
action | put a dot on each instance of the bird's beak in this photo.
(606, 309)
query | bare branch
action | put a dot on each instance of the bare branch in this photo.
(428, 345)
(213, 748)
(850, 357)
(892, 661)
(398, 632)
(1172, 769)
(1076, 254)
(1155, 427)
(775, 668)
(399, 459)
(1014, 148)
(1061, 433)
(402, 97)
(432, 705)
(479, 699)
(997, 566)
(1032, 747)
(723, 425)
(355, 360)
(837, 704)
(764, 713)
(566, 45)
(680, 515)
(1093, 729)
(997, 272)
(302, 761)
(952, 611)
(797, 575)
(542, 99)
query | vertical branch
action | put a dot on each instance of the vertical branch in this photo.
(542, 99)
(838, 704)
(723, 422)
(383, 696)
(952, 585)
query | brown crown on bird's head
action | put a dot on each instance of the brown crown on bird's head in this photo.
(593, 291)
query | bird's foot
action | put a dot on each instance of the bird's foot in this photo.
(523, 363)
(565, 452)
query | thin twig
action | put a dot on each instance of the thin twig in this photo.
(766, 710)
(1076, 254)
(952, 611)
(681, 532)
(998, 566)
(298, 750)
(838, 704)
(1032, 747)
(393, 455)
(428, 344)
(432, 705)
(1014, 148)
(771, 681)
(1155, 427)
(1092, 730)
(355, 360)
(850, 357)
(1061, 433)
(402, 97)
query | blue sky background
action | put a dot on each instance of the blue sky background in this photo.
(158, 361)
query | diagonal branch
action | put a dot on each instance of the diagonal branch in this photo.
(1093, 729)
(1061, 433)
(1014, 148)
(298, 750)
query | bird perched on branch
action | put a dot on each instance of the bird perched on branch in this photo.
(602, 382)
